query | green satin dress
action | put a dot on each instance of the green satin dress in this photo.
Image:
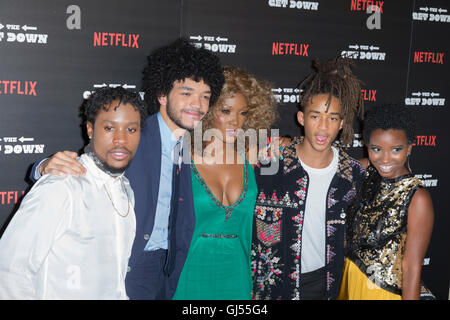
(218, 262)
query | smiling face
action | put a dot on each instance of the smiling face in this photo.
(230, 116)
(321, 125)
(388, 151)
(186, 104)
(115, 135)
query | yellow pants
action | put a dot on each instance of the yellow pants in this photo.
(357, 286)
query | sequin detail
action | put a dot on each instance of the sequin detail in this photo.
(265, 265)
(221, 236)
(278, 227)
(377, 236)
(228, 209)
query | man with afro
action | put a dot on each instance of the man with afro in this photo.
(180, 83)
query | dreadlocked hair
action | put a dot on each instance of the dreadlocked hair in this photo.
(335, 77)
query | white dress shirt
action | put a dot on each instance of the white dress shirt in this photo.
(68, 241)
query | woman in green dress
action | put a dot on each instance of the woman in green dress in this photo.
(224, 188)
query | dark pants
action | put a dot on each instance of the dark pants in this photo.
(146, 280)
(312, 285)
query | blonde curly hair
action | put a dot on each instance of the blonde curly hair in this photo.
(262, 112)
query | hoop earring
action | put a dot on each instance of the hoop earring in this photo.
(407, 162)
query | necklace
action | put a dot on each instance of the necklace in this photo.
(228, 209)
(128, 200)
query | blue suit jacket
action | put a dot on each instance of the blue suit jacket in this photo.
(144, 175)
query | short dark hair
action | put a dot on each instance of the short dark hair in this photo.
(389, 116)
(178, 61)
(103, 96)
(335, 78)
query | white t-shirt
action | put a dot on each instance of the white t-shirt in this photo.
(313, 243)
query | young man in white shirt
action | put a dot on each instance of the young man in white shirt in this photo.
(71, 237)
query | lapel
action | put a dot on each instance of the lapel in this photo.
(186, 205)
(154, 148)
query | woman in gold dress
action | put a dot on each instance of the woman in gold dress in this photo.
(389, 225)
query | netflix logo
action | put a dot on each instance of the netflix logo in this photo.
(363, 5)
(425, 141)
(428, 57)
(293, 49)
(108, 39)
(27, 88)
(369, 94)
(10, 197)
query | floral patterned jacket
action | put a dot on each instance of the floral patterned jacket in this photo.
(278, 223)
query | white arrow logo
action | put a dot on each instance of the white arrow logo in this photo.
(26, 28)
(218, 39)
(424, 9)
(373, 48)
(22, 139)
(99, 85)
(277, 90)
(434, 94)
(198, 38)
(356, 47)
(416, 94)
(1, 26)
(442, 10)
(126, 86)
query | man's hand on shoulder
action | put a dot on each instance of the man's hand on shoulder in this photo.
(62, 163)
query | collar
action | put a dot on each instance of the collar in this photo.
(168, 140)
(345, 162)
(100, 177)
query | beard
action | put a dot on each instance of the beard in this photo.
(105, 167)
(112, 170)
(176, 118)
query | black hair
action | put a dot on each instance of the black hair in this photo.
(335, 77)
(104, 96)
(178, 61)
(389, 116)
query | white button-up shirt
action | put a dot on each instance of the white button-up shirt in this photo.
(68, 241)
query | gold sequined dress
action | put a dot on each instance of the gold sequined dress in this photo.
(376, 237)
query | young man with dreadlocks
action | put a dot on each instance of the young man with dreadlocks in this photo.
(299, 224)
(180, 83)
(71, 238)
